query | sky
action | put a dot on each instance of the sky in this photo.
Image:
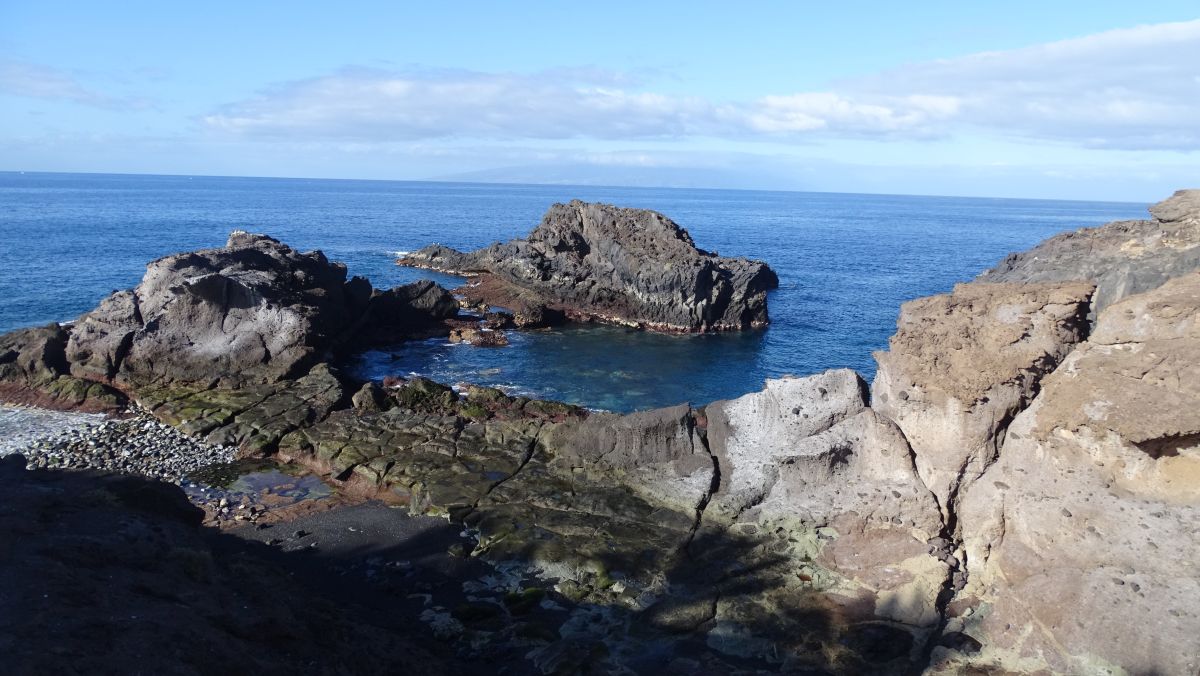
(1075, 100)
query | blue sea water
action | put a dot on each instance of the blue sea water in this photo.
(845, 263)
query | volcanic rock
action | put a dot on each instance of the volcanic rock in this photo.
(597, 262)
(34, 371)
(1122, 258)
(962, 364)
(1081, 540)
(253, 311)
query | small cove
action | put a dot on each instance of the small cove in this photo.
(846, 262)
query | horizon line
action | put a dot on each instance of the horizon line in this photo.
(565, 185)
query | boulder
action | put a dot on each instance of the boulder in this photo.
(254, 311)
(404, 311)
(1122, 258)
(478, 337)
(962, 364)
(1081, 539)
(597, 262)
(35, 356)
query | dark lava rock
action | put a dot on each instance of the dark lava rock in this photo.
(34, 371)
(253, 311)
(597, 262)
(1123, 258)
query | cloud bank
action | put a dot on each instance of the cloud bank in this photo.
(1136, 88)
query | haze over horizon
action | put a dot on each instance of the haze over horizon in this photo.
(1071, 101)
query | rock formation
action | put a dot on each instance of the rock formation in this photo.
(1121, 258)
(1081, 539)
(596, 262)
(252, 313)
(1018, 492)
(962, 364)
(1079, 459)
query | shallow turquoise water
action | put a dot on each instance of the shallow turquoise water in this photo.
(845, 262)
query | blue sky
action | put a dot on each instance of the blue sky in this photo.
(1095, 100)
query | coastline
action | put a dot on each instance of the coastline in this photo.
(820, 522)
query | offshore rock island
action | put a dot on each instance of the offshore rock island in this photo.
(598, 262)
(1017, 492)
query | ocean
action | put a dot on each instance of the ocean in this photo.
(845, 261)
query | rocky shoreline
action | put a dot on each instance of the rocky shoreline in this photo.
(996, 501)
(139, 445)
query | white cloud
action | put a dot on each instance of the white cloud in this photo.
(829, 111)
(1136, 88)
(405, 105)
(18, 78)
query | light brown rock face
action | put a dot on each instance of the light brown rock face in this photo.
(962, 364)
(1082, 542)
(658, 452)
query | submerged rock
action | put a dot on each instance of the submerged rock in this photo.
(597, 262)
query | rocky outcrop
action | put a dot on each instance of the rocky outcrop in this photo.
(807, 458)
(597, 262)
(1018, 493)
(1081, 539)
(253, 311)
(34, 371)
(1122, 258)
(961, 365)
(252, 314)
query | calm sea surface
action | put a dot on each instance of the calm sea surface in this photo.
(845, 264)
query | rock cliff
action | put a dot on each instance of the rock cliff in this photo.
(597, 262)
(1065, 456)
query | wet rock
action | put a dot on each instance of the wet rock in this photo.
(252, 418)
(598, 262)
(478, 337)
